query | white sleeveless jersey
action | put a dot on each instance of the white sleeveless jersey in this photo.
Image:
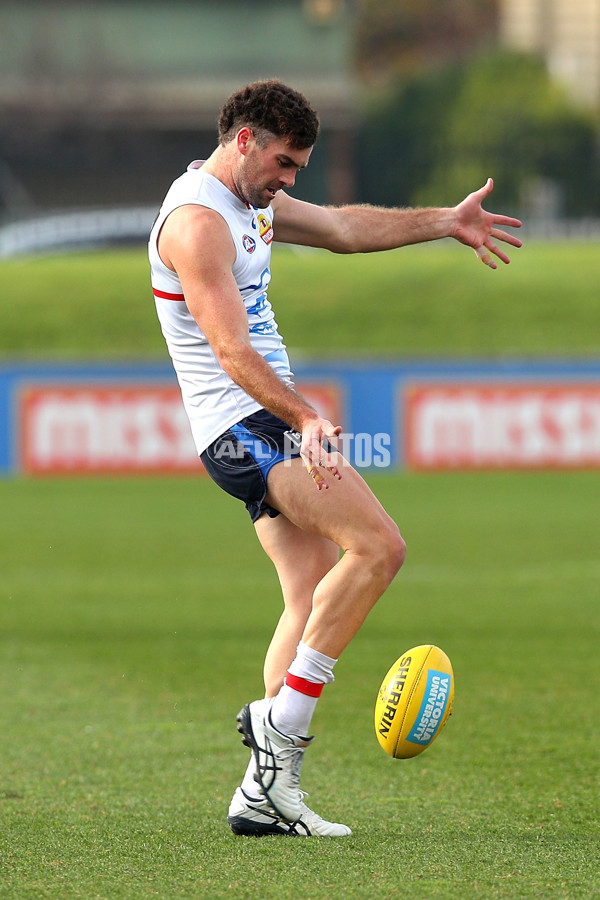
(213, 401)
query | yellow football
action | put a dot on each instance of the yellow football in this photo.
(414, 701)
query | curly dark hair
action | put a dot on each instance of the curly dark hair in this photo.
(270, 108)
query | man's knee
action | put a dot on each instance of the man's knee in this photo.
(395, 552)
(387, 552)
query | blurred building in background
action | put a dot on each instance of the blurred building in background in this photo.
(105, 102)
(566, 33)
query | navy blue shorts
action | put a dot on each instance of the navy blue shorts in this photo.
(242, 457)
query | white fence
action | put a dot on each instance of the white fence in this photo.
(67, 230)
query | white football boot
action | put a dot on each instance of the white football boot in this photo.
(278, 759)
(256, 818)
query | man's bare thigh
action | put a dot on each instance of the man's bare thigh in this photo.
(346, 507)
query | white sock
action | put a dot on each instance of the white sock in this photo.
(294, 705)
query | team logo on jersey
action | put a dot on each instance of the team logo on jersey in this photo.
(265, 228)
(249, 243)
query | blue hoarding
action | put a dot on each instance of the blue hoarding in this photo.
(61, 418)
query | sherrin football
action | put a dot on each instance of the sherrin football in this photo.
(414, 701)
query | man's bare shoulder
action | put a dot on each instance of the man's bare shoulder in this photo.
(193, 215)
(197, 230)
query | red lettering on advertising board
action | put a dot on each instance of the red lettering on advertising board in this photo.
(105, 430)
(123, 429)
(485, 426)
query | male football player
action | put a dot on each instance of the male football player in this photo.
(333, 545)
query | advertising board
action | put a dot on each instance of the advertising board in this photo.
(474, 426)
(81, 428)
(101, 419)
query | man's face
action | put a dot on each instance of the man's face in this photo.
(261, 172)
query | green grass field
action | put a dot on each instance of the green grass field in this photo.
(130, 641)
(414, 302)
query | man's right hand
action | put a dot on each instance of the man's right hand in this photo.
(314, 454)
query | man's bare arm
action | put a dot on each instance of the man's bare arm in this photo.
(365, 229)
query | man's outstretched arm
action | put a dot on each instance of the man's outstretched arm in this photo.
(366, 229)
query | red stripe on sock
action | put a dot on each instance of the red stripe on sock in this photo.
(310, 688)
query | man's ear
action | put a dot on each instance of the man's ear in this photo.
(244, 136)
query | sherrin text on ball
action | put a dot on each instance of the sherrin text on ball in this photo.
(415, 701)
